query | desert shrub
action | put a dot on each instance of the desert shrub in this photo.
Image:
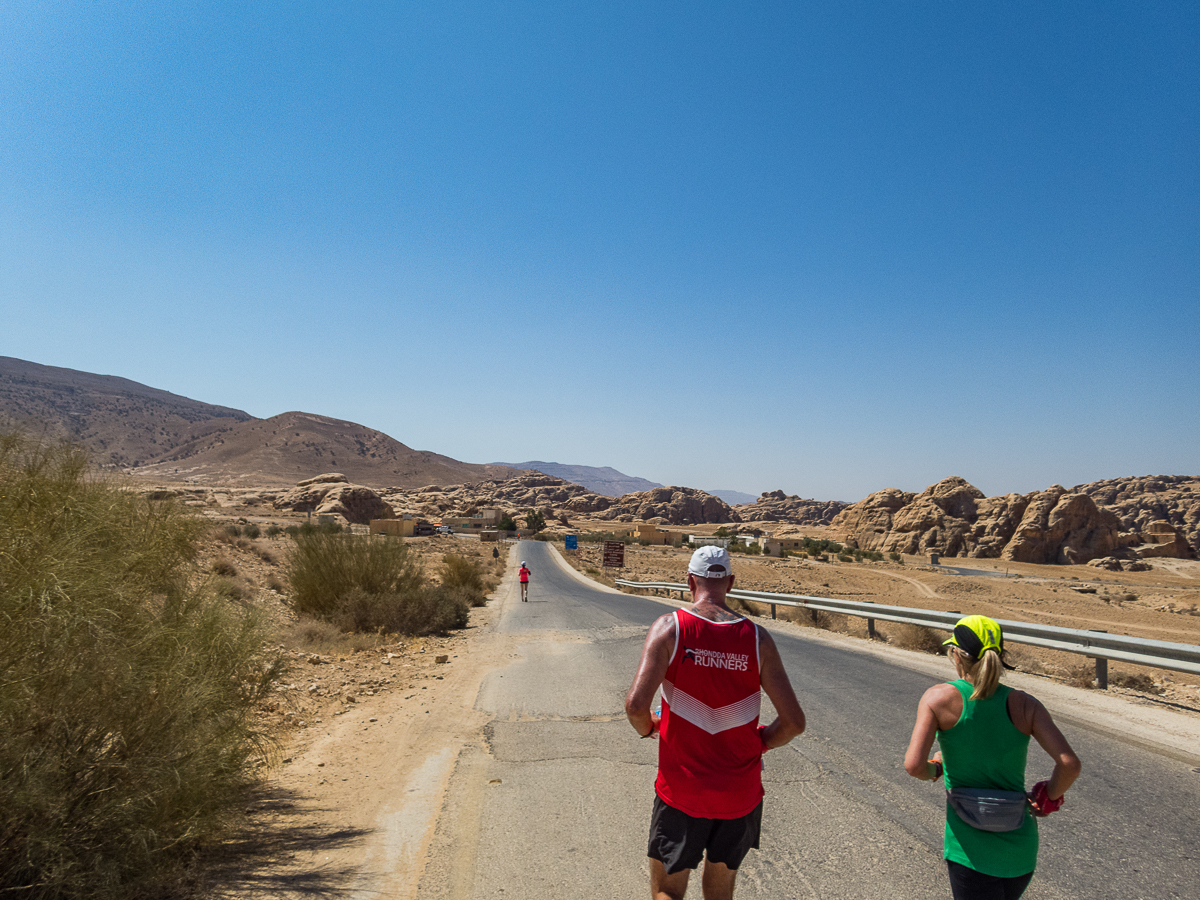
(128, 691)
(251, 531)
(464, 574)
(814, 547)
(230, 588)
(817, 618)
(1082, 676)
(598, 537)
(896, 557)
(223, 565)
(318, 636)
(274, 530)
(308, 529)
(324, 568)
(360, 584)
(915, 637)
(265, 554)
(1134, 682)
(430, 610)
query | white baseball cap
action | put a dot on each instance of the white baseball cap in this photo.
(710, 562)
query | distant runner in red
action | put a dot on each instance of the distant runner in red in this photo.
(524, 573)
(712, 665)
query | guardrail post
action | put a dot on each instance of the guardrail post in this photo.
(871, 635)
(1101, 665)
(772, 610)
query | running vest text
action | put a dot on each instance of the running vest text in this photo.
(735, 662)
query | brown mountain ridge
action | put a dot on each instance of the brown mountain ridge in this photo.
(153, 433)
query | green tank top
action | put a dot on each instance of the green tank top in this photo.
(984, 749)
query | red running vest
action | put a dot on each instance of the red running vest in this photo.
(709, 752)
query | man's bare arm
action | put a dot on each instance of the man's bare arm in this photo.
(790, 720)
(656, 657)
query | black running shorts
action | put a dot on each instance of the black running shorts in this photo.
(680, 841)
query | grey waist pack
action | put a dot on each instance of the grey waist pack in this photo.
(988, 809)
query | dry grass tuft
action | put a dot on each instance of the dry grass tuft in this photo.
(915, 637)
(1135, 682)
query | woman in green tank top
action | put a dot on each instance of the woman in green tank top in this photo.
(984, 728)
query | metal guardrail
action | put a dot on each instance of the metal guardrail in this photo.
(1097, 645)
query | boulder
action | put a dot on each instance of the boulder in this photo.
(1059, 527)
(327, 478)
(776, 506)
(674, 505)
(1161, 538)
(870, 521)
(356, 502)
(1141, 501)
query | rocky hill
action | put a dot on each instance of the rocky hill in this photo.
(557, 499)
(953, 518)
(1139, 502)
(671, 506)
(158, 435)
(122, 423)
(294, 446)
(563, 501)
(776, 506)
(600, 480)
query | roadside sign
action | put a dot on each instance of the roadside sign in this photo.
(614, 555)
(572, 542)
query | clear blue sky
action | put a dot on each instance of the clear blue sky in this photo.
(825, 247)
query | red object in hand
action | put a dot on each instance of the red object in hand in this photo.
(1042, 804)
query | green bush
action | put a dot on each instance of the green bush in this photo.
(365, 584)
(431, 610)
(464, 574)
(127, 691)
(324, 568)
(251, 530)
(599, 537)
(307, 529)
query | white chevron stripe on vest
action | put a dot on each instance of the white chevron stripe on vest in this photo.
(705, 717)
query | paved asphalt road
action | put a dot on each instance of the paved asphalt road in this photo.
(556, 802)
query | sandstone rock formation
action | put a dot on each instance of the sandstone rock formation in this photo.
(332, 494)
(775, 506)
(953, 518)
(551, 496)
(1060, 527)
(1139, 502)
(560, 500)
(671, 506)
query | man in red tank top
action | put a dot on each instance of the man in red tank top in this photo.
(712, 665)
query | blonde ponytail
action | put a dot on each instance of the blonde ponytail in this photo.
(984, 674)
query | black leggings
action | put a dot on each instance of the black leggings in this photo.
(967, 884)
